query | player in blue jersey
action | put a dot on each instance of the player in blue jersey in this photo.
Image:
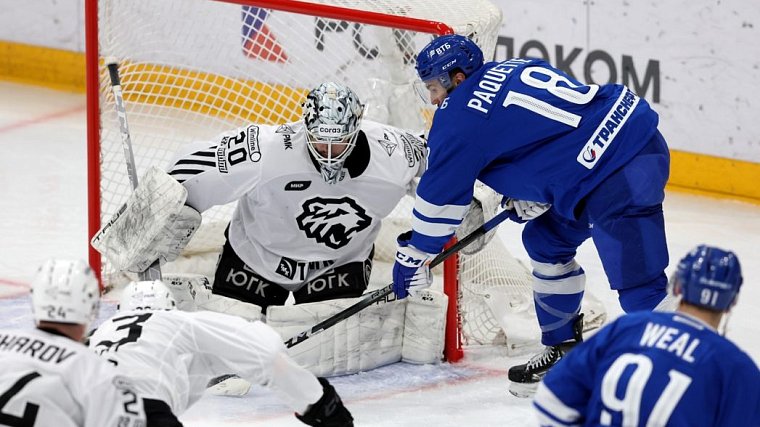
(657, 369)
(591, 155)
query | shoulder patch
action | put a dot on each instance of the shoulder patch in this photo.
(254, 152)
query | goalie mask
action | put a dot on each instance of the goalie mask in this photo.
(147, 295)
(332, 114)
(65, 292)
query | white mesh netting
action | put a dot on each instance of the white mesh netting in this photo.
(191, 69)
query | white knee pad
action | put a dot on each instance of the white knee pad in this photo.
(549, 278)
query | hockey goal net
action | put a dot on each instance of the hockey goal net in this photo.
(191, 69)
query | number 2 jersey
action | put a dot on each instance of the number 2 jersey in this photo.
(530, 132)
(652, 369)
(47, 379)
(172, 355)
(289, 225)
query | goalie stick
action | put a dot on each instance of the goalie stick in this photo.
(153, 272)
(381, 293)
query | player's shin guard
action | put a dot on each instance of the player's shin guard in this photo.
(557, 292)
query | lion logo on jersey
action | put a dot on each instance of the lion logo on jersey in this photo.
(332, 222)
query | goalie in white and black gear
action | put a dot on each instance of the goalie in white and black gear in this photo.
(311, 196)
(147, 337)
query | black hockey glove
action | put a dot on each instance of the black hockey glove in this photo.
(328, 411)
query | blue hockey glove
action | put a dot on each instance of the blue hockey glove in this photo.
(521, 211)
(411, 271)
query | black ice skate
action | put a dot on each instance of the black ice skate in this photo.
(524, 378)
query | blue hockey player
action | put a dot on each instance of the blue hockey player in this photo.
(577, 160)
(657, 369)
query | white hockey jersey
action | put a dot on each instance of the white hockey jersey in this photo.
(51, 380)
(289, 225)
(172, 355)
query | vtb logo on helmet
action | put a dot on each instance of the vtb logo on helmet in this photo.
(443, 55)
(332, 114)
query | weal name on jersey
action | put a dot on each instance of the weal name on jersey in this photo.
(670, 339)
(34, 348)
(491, 83)
(608, 129)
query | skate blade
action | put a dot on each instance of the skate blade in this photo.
(523, 390)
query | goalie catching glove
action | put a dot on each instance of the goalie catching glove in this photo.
(154, 224)
(411, 272)
(522, 211)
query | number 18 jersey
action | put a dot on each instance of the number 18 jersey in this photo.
(530, 132)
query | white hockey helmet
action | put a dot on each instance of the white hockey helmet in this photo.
(332, 114)
(65, 291)
(147, 295)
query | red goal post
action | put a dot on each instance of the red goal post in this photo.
(193, 68)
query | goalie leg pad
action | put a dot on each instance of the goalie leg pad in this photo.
(424, 327)
(222, 304)
(154, 224)
(367, 340)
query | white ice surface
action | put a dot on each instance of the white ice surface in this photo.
(44, 199)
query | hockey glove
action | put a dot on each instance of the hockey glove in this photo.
(328, 411)
(522, 211)
(411, 272)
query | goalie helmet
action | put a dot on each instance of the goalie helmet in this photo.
(65, 291)
(443, 55)
(147, 295)
(332, 114)
(709, 277)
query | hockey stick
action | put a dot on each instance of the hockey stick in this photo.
(381, 293)
(153, 272)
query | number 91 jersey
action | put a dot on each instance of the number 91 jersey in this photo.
(652, 369)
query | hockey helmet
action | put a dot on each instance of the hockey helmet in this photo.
(332, 114)
(147, 295)
(65, 291)
(443, 55)
(709, 277)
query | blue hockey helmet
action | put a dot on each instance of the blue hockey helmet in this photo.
(447, 53)
(709, 277)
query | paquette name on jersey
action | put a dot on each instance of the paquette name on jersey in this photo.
(490, 84)
(332, 221)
